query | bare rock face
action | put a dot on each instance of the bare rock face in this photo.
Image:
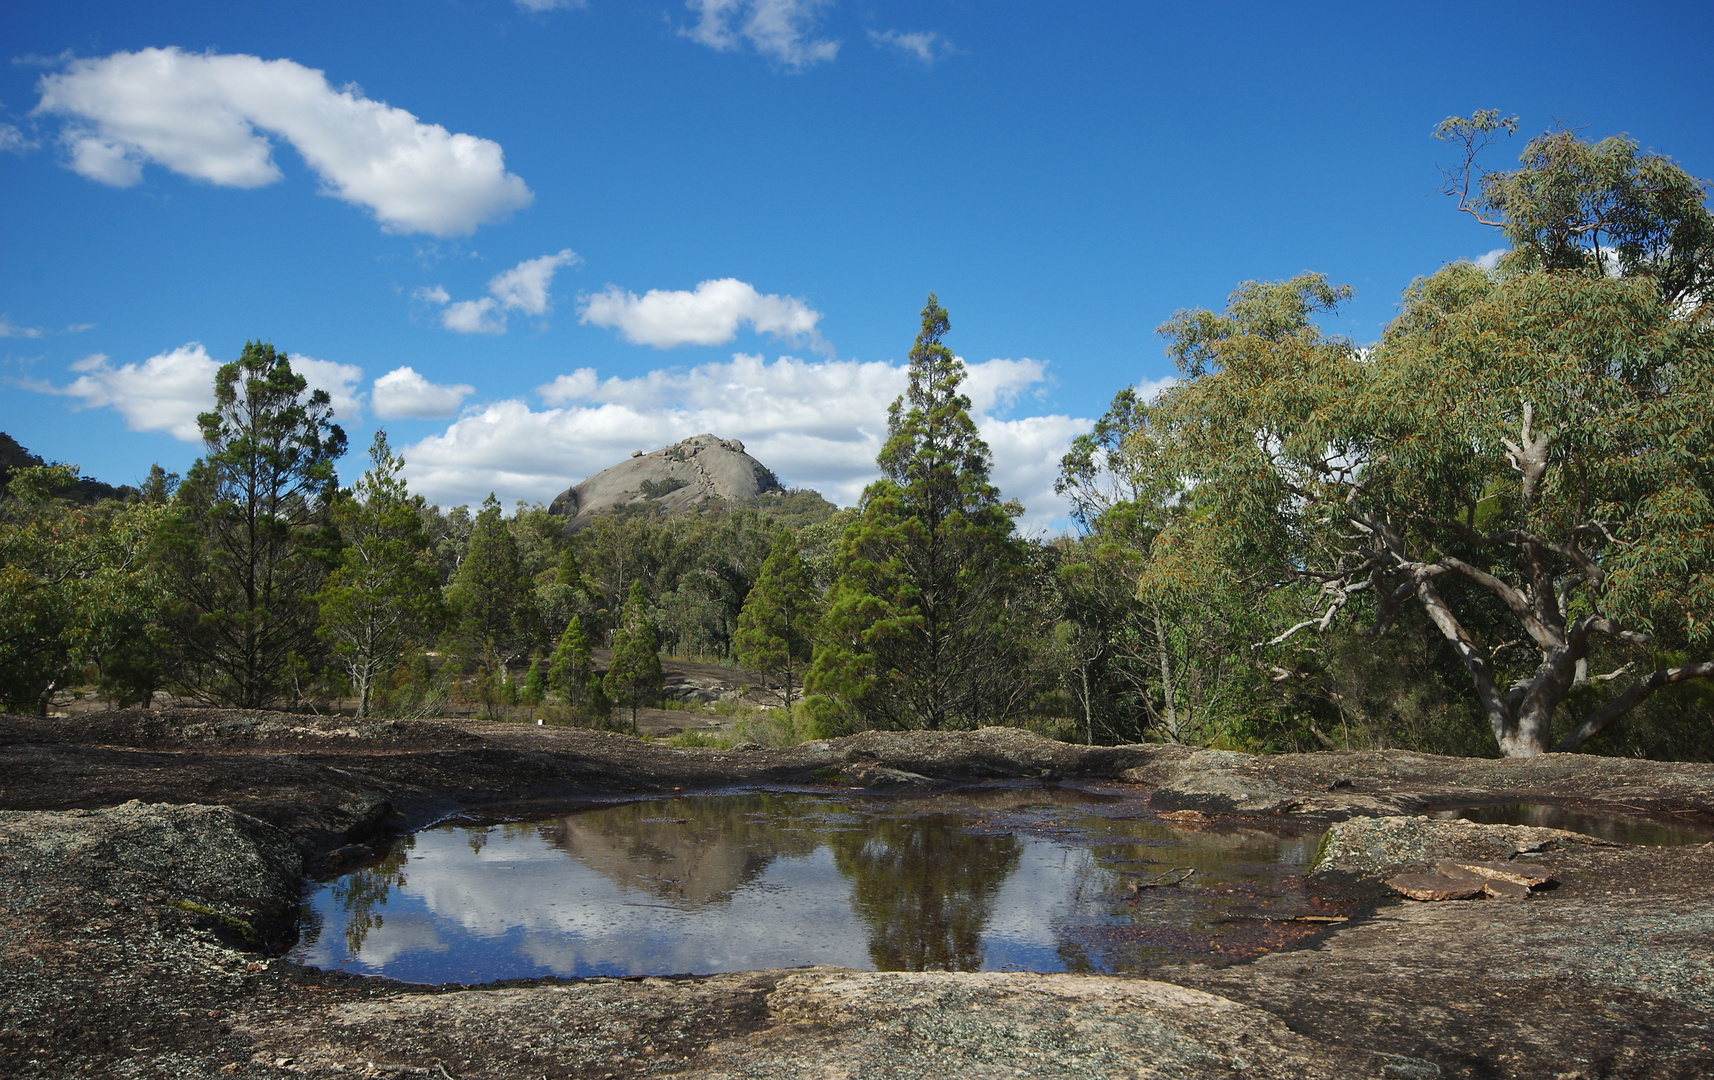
(674, 478)
(1374, 848)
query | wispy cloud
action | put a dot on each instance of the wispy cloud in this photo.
(928, 47)
(209, 116)
(711, 314)
(522, 288)
(13, 139)
(550, 5)
(781, 30)
(10, 329)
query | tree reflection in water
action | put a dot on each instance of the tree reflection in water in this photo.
(362, 893)
(925, 887)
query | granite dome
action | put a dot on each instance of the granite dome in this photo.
(686, 474)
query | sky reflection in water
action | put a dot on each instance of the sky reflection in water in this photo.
(997, 879)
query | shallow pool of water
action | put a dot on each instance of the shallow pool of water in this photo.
(999, 878)
(1619, 827)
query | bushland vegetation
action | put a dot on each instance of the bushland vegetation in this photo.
(1489, 532)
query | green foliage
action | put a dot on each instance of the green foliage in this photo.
(535, 684)
(924, 624)
(1526, 458)
(634, 674)
(384, 598)
(696, 568)
(572, 678)
(78, 588)
(252, 541)
(1602, 208)
(776, 627)
(793, 509)
(654, 489)
(493, 599)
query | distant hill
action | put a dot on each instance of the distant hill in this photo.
(687, 475)
(13, 457)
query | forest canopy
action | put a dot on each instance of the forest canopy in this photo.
(1490, 531)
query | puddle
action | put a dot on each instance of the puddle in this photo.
(1622, 828)
(992, 879)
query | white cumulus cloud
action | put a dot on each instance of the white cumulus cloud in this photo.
(403, 393)
(1491, 259)
(818, 424)
(210, 117)
(522, 288)
(781, 30)
(163, 393)
(709, 315)
(924, 46)
(167, 391)
(339, 380)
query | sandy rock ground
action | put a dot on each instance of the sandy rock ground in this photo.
(151, 863)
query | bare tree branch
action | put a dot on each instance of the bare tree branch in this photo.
(1629, 699)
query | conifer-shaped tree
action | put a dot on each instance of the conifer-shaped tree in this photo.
(634, 674)
(252, 542)
(385, 596)
(776, 627)
(491, 594)
(535, 684)
(572, 677)
(923, 627)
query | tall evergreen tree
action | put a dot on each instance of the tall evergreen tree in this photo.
(385, 595)
(572, 677)
(493, 598)
(776, 627)
(255, 542)
(923, 623)
(634, 673)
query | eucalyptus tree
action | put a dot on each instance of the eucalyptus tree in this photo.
(1528, 456)
(78, 587)
(252, 539)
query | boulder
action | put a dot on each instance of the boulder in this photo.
(1376, 848)
(687, 474)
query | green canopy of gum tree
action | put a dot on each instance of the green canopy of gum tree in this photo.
(1531, 454)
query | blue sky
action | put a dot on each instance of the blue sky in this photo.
(587, 229)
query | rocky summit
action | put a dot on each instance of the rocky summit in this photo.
(675, 478)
